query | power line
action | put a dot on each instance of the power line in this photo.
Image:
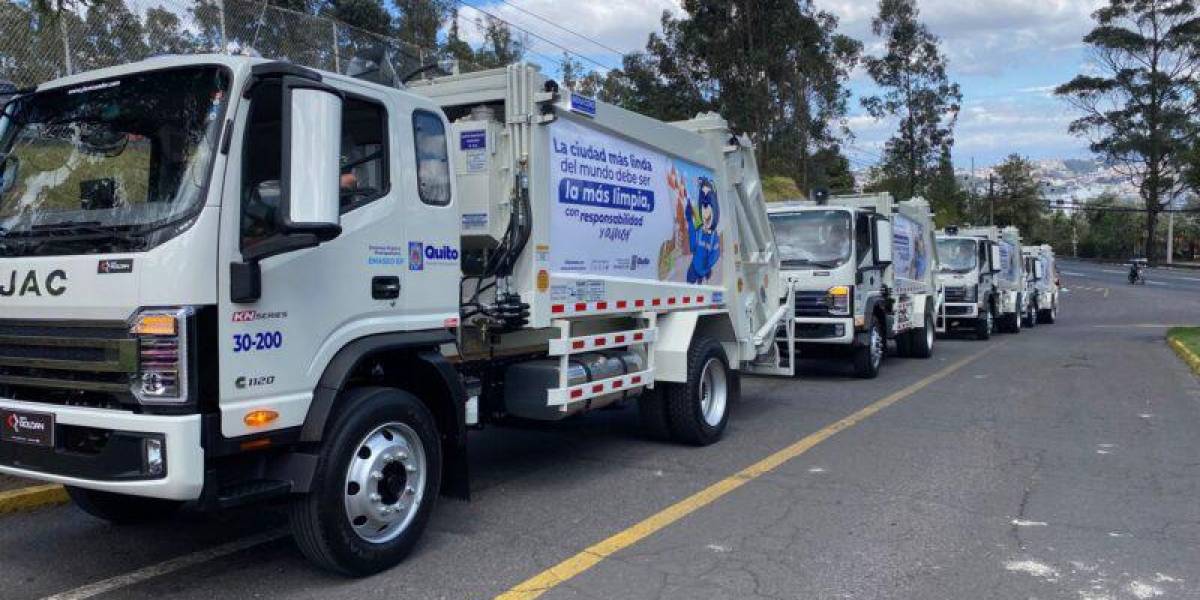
(527, 49)
(548, 41)
(570, 31)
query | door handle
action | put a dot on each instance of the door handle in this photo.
(385, 288)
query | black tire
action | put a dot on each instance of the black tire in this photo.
(868, 358)
(1031, 318)
(122, 509)
(904, 344)
(985, 324)
(690, 418)
(921, 341)
(320, 520)
(1048, 315)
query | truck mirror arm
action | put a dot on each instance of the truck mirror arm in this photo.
(245, 278)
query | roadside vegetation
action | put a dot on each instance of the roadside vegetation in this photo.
(1185, 341)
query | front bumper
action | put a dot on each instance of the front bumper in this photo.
(116, 465)
(825, 330)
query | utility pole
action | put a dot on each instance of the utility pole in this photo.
(991, 199)
(1171, 237)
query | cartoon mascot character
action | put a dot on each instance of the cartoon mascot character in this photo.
(703, 238)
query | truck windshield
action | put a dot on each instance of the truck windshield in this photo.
(108, 166)
(956, 256)
(815, 238)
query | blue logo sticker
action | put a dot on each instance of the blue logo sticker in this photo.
(473, 140)
(416, 256)
(583, 105)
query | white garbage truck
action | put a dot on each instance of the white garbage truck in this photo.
(984, 277)
(226, 280)
(863, 270)
(1042, 271)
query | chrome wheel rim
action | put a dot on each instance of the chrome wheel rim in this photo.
(991, 322)
(929, 336)
(385, 482)
(713, 391)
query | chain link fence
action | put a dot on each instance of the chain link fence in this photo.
(35, 47)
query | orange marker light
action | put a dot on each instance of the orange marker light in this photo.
(260, 418)
(155, 325)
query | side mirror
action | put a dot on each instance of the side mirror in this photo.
(995, 264)
(1039, 271)
(312, 143)
(882, 244)
(9, 172)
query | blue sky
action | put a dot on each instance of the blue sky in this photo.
(1006, 54)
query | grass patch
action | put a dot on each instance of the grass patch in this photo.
(1185, 341)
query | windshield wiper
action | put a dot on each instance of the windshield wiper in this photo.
(816, 263)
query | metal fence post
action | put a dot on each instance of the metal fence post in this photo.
(337, 61)
(224, 36)
(66, 41)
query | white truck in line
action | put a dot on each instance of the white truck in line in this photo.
(863, 269)
(984, 278)
(225, 280)
(1042, 270)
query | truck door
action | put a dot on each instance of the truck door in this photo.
(313, 302)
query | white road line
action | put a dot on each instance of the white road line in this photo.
(1157, 283)
(163, 568)
(1074, 274)
(1112, 271)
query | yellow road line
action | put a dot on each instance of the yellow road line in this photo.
(590, 557)
(30, 498)
(1186, 354)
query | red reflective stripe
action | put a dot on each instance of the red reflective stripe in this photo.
(638, 337)
(580, 306)
(577, 392)
(599, 387)
(687, 299)
(656, 301)
(671, 300)
(639, 303)
(617, 384)
(577, 345)
(620, 339)
(622, 304)
(599, 341)
(636, 379)
(601, 305)
(557, 308)
(699, 299)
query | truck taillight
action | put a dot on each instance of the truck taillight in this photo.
(162, 356)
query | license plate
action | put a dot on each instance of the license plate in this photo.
(23, 427)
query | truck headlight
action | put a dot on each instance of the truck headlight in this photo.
(162, 336)
(838, 300)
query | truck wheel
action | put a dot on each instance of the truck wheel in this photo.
(985, 324)
(1048, 315)
(377, 478)
(1031, 316)
(698, 411)
(122, 509)
(921, 342)
(904, 343)
(868, 358)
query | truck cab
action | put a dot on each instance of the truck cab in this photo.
(1042, 272)
(984, 275)
(861, 269)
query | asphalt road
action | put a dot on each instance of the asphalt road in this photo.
(1063, 462)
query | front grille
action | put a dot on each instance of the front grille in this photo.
(956, 294)
(957, 311)
(817, 331)
(811, 304)
(86, 363)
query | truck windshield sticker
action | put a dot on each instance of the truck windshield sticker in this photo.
(1008, 261)
(624, 210)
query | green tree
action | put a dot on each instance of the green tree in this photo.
(917, 91)
(165, 33)
(368, 15)
(500, 47)
(1140, 105)
(946, 196)
(1017, 199)
(420, 21)
(1113, 230)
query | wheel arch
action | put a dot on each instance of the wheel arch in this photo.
(409, 361)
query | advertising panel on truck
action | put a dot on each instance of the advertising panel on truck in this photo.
(623, 210)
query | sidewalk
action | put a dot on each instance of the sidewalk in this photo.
(12, 483)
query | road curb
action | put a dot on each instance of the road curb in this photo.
(30, 498)
(1185, 354)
